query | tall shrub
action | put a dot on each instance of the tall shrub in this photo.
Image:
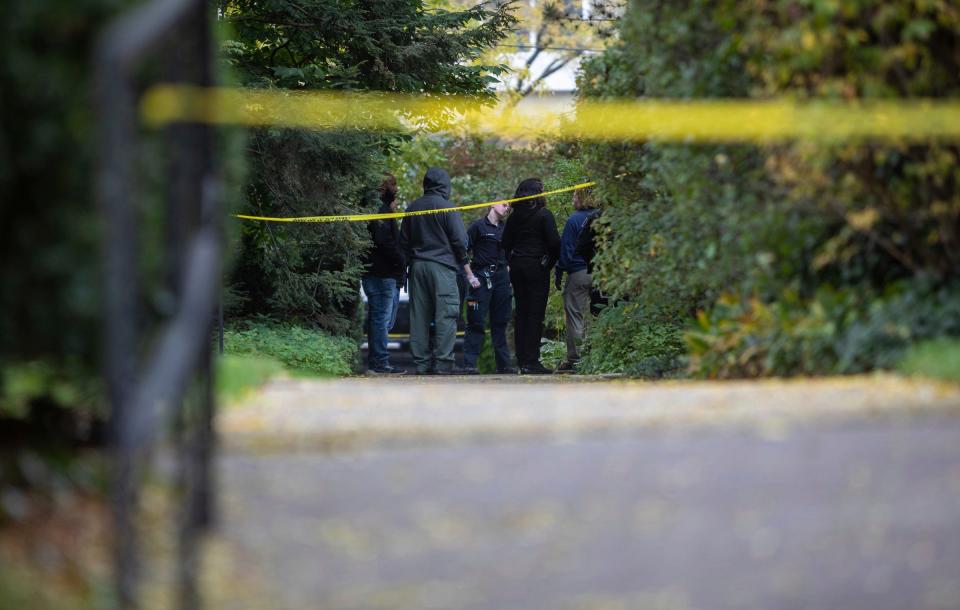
(780, 228)
(681, 219)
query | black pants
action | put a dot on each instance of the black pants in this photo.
(495, 302)
(531, 287)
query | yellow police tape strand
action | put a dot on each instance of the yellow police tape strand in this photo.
(387, 215)
(598, 120)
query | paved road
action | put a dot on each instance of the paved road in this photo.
(456, 494)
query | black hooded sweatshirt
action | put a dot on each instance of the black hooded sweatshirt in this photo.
(440, 238)
(386, 258)
(531, 231)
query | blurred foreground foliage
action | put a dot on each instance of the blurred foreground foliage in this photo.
(237, 374)
(50, 245)
(49, 237)
(781, 259)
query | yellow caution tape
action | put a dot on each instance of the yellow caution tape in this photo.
(388, 215)
(598, 120)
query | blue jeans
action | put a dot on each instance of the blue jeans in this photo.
(383, 300)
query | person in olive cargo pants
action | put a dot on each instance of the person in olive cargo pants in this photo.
(436, 247)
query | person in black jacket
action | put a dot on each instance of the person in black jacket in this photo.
(532, 245)
(385, 267)
(490, 294)
(436, 247)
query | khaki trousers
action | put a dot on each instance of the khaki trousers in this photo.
(576, 309)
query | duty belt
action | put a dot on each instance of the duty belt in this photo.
(488, 270)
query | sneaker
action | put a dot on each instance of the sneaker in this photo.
(469, 370)
(386, 370)
(535, 369)
(507, 370)
(568, 367)
(452, 371)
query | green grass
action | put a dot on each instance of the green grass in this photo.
(238, 374)
(939, 358)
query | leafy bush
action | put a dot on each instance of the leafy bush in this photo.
(750, 338)
(552, 352)
(633, 339)
(836, 331)
(296, 347)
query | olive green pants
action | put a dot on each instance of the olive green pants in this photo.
(434, 299)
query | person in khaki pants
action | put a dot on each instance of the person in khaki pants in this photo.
(436, 247)
(576, 292)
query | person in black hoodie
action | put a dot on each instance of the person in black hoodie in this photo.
(532, 244)
(436, 247)
(385, 267)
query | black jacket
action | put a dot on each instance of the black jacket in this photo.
(440, 238)
(483, 242)
(531, 231)
(386, 258)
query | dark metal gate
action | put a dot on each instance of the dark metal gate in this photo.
(168, 383)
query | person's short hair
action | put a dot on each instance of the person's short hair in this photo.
(585, 197)
(528, 188)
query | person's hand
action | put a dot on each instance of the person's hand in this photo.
(474, 282)
(558, 278)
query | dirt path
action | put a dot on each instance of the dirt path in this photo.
(496, 494)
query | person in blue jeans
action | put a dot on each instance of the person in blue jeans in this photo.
(490, 293)
(385, 268)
